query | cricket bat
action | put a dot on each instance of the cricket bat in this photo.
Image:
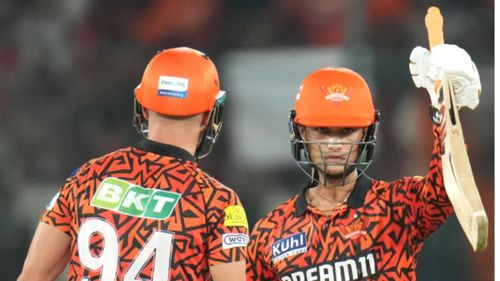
(458, 177)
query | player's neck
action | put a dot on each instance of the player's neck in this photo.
(177, 134)
(333, 192)
(338, 182)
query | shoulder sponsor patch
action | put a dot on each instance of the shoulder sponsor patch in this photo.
(134, 200)
(289, 246)
(231, 240)
(235, 216)
(175, 87)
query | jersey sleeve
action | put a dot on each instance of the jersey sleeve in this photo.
(426, 196)
(257, 266)
(227, 226)
(57, 212)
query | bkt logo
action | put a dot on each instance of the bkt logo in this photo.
(289, 246)
(133, 200)
(231, 240)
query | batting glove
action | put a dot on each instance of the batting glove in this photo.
(448, 61)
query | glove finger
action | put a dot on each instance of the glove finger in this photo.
(413, 69)
(419, 53)
(417, 80)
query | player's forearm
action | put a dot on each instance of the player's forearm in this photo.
(28, 275)
(431, 189)
(434, 176)
(433, 205)
(228, 271)
(35, 270)
(48, 254)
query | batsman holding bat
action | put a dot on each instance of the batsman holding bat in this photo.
(344, 225)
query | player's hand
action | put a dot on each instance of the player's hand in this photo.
(448, 61)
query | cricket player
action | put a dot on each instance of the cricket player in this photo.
(147, 212)
(344, 225)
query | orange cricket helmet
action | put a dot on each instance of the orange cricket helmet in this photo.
(180, 82)
(334, 97)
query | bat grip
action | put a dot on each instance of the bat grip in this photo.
(434, 25)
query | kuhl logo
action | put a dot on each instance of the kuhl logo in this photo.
(289, 246)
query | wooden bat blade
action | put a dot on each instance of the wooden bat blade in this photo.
(458, 177)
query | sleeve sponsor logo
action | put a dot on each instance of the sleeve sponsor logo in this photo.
(175, 87)
(231, 240)
(53, 201)
(289, 246)
(133, 200)
(235, 216)
(346, 270)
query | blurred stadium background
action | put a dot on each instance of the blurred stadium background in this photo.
(68, 70)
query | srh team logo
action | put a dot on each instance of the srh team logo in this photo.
(355, 229)
(289, 246)
(336, 93)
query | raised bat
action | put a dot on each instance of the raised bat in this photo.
(458, 177)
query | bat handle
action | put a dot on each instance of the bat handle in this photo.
(434, 25)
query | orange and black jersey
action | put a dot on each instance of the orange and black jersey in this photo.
(376, 235)
(147, 213)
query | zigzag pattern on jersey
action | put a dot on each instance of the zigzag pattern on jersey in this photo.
(195, 220)
(396, 218)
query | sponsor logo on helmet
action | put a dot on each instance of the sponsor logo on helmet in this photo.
(175, 87)
(336, 93)
(231, 240)
(289, 246)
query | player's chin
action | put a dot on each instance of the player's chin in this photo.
(334, 172)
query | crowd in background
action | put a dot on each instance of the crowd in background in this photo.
(68, 69)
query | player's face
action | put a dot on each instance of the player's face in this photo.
(332, 149)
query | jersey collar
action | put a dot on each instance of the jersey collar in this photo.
(356, 198)
(165, 150)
